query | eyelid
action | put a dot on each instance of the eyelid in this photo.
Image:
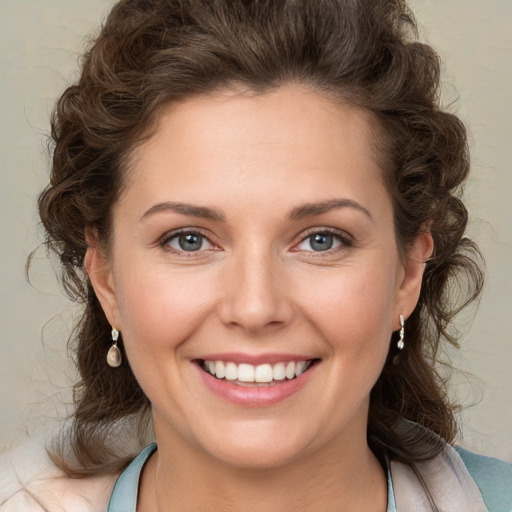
(345, 238)
(163, 241)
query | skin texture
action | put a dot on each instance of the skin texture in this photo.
(257, 287)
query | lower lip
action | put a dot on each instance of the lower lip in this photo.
(256, 396)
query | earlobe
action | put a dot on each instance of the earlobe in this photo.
(414, 266)
(100, 275)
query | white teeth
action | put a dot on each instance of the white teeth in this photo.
(245, 373)
(299, 368)
(220, 370)
(279, 371)
(231, 371)
(263, 373)
(290, 370)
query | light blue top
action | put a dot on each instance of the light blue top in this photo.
(492, 476)
(124, 495)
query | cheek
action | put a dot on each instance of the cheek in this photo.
(353, 308)
(160, 308)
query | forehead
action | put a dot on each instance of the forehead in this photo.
(287, 141)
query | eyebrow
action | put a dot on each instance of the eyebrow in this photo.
(312, 209)
(190, 210)
(298, 213)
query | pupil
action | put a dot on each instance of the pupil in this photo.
(190, 242)
(321, 242)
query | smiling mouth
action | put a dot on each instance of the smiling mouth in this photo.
(262, 375)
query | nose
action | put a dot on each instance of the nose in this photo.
(254, 296)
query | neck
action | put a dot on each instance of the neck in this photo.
(177, 480)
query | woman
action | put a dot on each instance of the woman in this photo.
(257, 203)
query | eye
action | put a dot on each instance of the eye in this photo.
(322, 241)
(188, 242)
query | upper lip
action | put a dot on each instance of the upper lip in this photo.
(255, 359)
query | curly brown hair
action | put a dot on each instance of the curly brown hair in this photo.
(150, 53)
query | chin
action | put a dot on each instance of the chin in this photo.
(257, 448)
(250, 457)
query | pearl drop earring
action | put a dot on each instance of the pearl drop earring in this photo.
(114, 357)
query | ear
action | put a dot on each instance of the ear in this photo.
(412, 275)
(100, 275)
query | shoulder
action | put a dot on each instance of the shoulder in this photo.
(492, 476)
(456, 480)
(30, 482)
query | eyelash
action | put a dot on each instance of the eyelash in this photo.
(166, 239)
(345, 240)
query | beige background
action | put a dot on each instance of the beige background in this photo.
(40, 43)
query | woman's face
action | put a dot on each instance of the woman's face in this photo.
(255, 239)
